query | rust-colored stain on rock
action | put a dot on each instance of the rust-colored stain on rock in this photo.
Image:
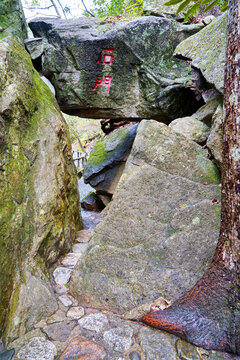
(81, 349)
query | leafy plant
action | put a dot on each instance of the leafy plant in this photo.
(196, 4)
(117, 7)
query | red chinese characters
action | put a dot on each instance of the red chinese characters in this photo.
(106, 58)
(104, 81)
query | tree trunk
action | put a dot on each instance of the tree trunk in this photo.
(209, 314)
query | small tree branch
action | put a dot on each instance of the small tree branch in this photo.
(55, 7)
(64, 12)
(87, 9)
(38, 8)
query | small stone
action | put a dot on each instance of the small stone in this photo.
(137, 312)
(119, 339)
(37, 349)
(79, 248)
(57, 317)
(81, 349)
(62, 275)
(75, 312)
(160, 304)
(65, 300)
(83, 236)
(70, 260)
(60, 331)
(93, 322)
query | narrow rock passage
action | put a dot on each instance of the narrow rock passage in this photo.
(74, 332)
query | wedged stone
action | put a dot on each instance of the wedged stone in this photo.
(206, 112)
(35, 47)
(191, 128)
(83, 349)
(214, 142)
(120, 338)
(125, 71)
(76, 312)
(62, 275)
(37, 349)
(206, 49)
(143, 248)
(70, 260)
(94, 322)
(92, 202)
(60, 331)
(108, 151)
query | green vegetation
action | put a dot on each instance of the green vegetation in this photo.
(84, 129)
(116, 7)
(196, 4)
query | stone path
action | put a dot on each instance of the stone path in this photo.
(77, 333)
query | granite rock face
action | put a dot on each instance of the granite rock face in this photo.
(151, 243)
(211, 41)
(121, 71)
(39, 201)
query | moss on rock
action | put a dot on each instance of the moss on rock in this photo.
(39, 201)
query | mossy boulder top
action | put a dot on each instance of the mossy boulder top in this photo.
(123, 70)
(206, 49)
(110, 150)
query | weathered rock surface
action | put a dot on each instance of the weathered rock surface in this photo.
(151, 243)
(206, 112)
(107, 160)
(39, 202)
(192, 128)
(117, 71)
(12, 21)
(206, 49)
(157, 8)
(38, 348)
(214, 142)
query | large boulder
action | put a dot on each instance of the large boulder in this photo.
(115, 71)
(161, 229)
(192, 128)
(206, 49)
(107, 160)
(39, 213)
